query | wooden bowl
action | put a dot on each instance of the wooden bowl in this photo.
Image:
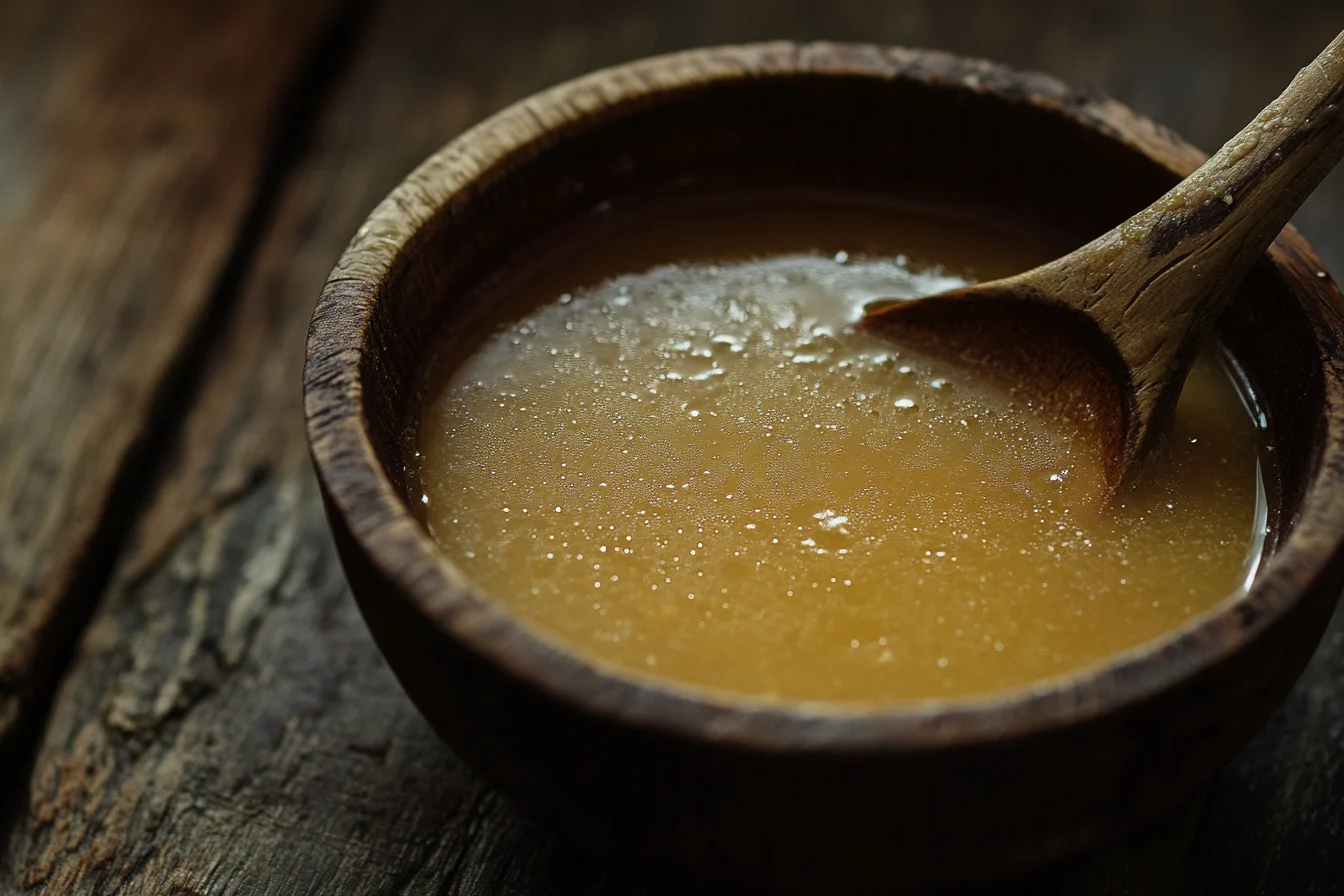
(792, 797)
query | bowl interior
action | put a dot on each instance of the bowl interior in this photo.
(908, 141)
(1012, 147)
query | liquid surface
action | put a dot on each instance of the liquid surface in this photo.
(704, 472)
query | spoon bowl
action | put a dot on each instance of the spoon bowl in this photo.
(1051, 357)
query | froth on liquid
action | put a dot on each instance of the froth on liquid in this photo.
(702, 471)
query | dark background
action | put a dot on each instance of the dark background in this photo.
(189, 702)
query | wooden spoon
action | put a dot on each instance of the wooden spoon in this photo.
(1106, 335)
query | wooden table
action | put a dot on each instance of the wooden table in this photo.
(189, 701)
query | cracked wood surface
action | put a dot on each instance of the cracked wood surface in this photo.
(227, 724)
(132, 138)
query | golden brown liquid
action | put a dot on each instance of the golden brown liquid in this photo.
(703, 471)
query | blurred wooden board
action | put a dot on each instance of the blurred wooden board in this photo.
(133, 139)
(227, 724)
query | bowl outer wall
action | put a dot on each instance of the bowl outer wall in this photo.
(752, 790)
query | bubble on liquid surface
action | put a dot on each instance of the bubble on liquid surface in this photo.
(752, 484)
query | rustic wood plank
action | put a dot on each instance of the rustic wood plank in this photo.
(228, 725)
(227, 693)
(133, 137)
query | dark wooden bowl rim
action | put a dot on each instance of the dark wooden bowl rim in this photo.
(359, 489)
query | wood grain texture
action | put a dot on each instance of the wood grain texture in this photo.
(132, 139)
(228, 707)
(228, 725)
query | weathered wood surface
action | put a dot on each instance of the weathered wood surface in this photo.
(133, 137)
(227, 724)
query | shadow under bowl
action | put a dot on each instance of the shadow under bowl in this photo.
(788, 797)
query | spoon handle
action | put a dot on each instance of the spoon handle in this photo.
(1158, 283)
(1230, 210)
